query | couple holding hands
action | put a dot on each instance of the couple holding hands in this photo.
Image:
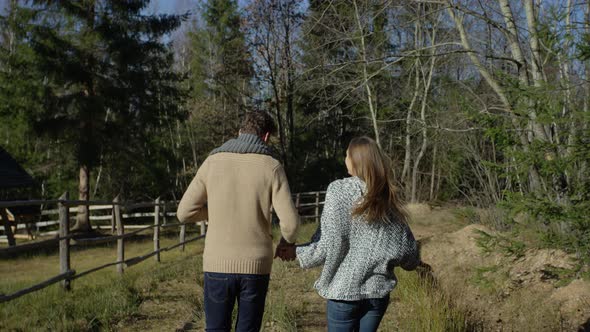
(363, 234)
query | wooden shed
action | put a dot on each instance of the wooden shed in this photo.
(13, 178)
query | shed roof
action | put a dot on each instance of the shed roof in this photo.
(12, 175)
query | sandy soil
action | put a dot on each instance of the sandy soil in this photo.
(536, 290)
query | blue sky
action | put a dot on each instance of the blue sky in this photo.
(156, 6)
(172, 6)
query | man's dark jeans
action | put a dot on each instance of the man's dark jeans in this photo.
(356, 316)
(221, 292)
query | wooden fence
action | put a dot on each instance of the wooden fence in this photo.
(65, 206)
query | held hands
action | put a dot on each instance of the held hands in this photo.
(285, 251)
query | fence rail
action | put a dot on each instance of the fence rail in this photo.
(64, 208)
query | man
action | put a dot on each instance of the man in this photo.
(234, 189)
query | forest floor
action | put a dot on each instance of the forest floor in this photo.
(482, 281)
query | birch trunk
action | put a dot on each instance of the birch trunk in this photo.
(539, 131)
(363, 52)
(424, 129)
(408, 138)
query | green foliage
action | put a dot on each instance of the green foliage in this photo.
(483, 279)
(468, 214)
(563, 225)
(490, 243)
(92, 84)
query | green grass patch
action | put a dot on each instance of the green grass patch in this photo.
(99, 301)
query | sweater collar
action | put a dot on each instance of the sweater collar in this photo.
(245, 143)
(250, 139)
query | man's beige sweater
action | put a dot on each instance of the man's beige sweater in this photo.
(235, 192)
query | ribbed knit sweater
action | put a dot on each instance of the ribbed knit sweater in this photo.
(358, 258)
(235, 192)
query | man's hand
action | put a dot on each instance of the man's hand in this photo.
(285, 251)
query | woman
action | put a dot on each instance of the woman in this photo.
(362, 236)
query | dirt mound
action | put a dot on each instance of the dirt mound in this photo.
(418, 209)
(427, 222)
(505, 287)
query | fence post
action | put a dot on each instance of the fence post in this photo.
(120, 232)
(113, 222)
(182, 235)
(317, 206)
(297, 201)
(164, 219)
(157, 229)
(64, 244)
(7, 228)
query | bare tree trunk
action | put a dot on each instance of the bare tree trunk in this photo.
(564, 66)
(540, 132)
(363, 52)
(432, 173)
(83, 217)
(534, 178)
(288, 63)
(408, 138)
(427, 80)
(583, 173)
(513, 40)
(472, 55)
(424, 127)
(86, 137)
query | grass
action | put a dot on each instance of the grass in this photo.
(100, 301)
(164, 296)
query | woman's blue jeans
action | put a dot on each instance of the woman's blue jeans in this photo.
(221, 292)
(356, 316)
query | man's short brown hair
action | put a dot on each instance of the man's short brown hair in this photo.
(258, 123)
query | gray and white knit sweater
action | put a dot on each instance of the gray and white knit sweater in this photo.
(358, 258)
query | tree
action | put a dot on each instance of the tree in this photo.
(219, 70)
(272, 29)
(107, 78)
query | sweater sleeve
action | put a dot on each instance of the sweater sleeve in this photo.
(283, 205)
(193, 205)
(328, 238)
(411, 254)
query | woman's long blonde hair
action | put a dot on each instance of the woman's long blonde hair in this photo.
(380, 201)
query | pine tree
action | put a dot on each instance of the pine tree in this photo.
(107, 74)
(21, 90)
